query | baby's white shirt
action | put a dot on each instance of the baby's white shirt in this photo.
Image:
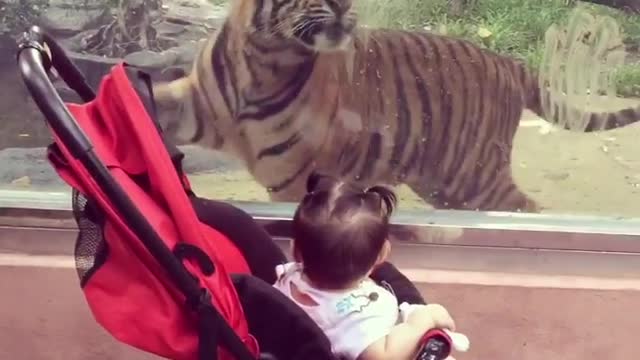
(352, 319)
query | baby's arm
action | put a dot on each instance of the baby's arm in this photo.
(403, 342)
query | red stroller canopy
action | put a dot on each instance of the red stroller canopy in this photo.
(127, 289)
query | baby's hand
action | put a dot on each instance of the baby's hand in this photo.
(433, 315)
(405, 339)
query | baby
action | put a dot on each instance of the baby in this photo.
(340, 236)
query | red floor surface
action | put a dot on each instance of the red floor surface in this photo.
(43, 316)
(542, 324)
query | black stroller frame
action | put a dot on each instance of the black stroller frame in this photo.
(37, 54)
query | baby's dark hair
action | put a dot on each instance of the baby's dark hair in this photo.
(340, 229)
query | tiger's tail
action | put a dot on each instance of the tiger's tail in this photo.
(576, 71)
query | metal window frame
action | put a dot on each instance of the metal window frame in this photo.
(561, 247)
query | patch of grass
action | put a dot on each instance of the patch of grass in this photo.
(627, 80)
(516, 27)
(402, 14)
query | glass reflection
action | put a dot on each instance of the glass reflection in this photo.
(563, 171)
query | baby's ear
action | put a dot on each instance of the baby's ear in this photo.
(384, 253)
(295, 253)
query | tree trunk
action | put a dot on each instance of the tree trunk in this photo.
(131, 30)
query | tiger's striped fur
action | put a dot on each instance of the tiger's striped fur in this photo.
(375, 106)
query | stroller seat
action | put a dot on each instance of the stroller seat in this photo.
(282, 329)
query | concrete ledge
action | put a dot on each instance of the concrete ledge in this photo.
(509, 266)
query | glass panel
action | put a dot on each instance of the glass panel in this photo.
(437, 118)
(421, 111)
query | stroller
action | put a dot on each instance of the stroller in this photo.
(155, 275)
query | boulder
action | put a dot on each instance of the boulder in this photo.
(30, 167)
(65, 18)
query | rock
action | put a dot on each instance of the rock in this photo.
(24, 181)
(29, 167)
(186, 24)
(15, 13)
(184, 54)
(187, 52)
(7, 46)
(556, 176)
(93, 67)
(24, 167)
(149, 60)
(199, 12)
(68, 17)
(170, 29)
(201, 160)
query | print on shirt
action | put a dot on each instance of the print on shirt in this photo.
(355, 303)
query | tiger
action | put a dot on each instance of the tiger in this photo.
(290, 87)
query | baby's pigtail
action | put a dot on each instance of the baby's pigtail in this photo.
(387, 197)
(317, 181)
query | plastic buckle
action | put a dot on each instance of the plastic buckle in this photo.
(201, 302)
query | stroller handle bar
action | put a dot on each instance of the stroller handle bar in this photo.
(37, 53)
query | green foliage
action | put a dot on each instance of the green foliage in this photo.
(513, 27)
(628, 80)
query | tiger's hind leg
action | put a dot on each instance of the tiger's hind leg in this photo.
(431, 234)
(500, 193)
(483, 191)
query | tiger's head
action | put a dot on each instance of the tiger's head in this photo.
(320, 25)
